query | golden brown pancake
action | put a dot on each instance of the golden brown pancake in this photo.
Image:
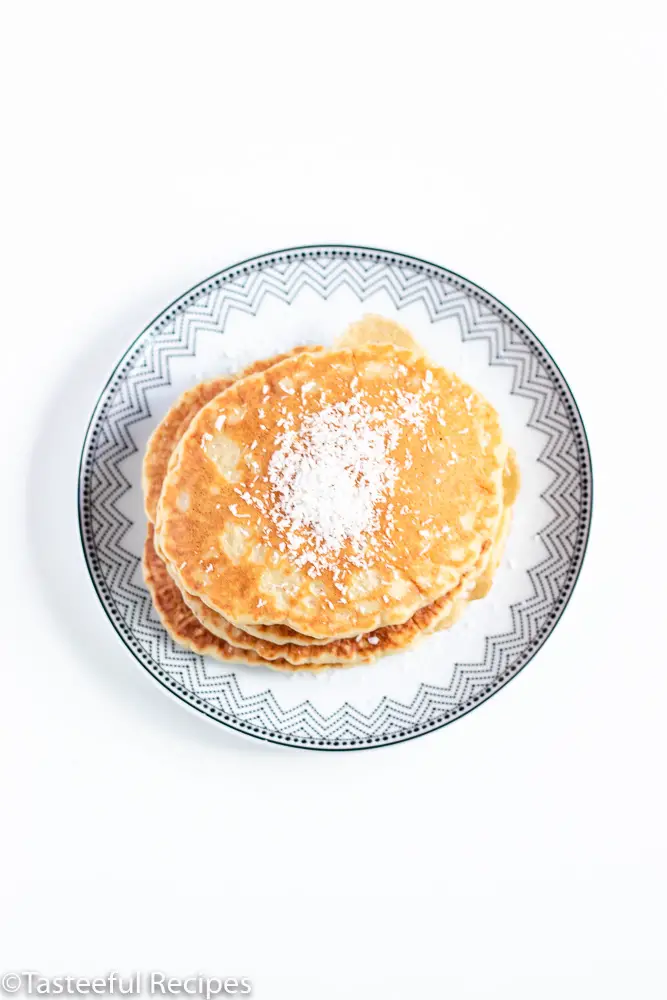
(276, 645)
(264, 638)
(247, 525)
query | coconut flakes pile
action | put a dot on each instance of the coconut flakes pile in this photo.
(329, 475)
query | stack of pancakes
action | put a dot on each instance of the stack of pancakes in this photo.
(325, 507)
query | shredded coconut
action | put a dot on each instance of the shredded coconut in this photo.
(328, 477)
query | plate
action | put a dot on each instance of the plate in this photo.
(268, 304)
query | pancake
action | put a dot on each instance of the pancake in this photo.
(264, 638)
(247, 519)
(372, 329)
(207, 632)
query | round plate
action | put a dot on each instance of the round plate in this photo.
(308, 295)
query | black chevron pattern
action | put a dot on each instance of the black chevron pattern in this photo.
(115, 567)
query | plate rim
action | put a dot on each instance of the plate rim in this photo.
(346, 250)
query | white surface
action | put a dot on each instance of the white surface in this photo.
(518, 853)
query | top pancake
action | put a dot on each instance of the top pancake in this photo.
(335, 493)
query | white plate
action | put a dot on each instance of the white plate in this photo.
(308, 295)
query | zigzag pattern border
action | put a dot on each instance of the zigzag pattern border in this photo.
(146, 366)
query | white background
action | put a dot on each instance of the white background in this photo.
(519, 853)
